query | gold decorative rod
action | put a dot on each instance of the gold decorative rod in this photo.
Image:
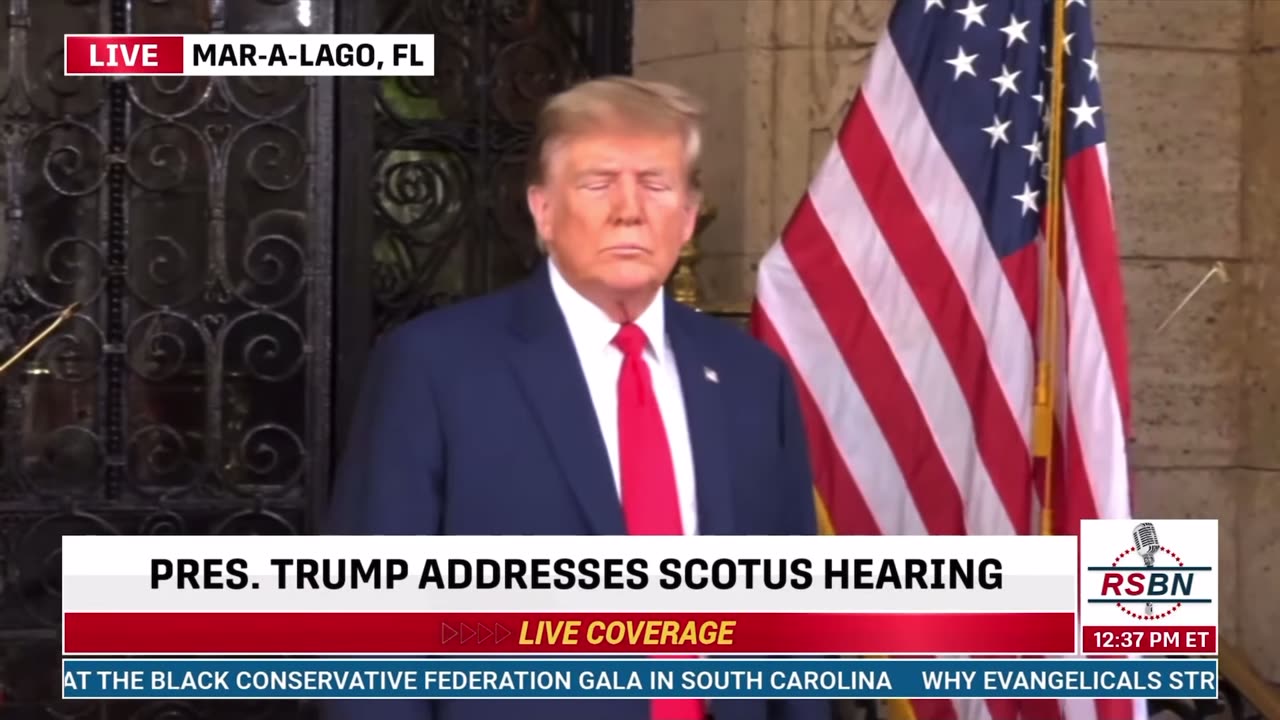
(1219, 270)
(31, 344)
(684, 278)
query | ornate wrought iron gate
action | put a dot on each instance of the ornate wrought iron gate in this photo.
(234, 246)
(439, 211)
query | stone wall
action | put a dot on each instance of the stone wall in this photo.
(1192, 93)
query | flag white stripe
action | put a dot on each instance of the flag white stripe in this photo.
(971, 709)
(891, 301)
(1091, 387)
(1102, 446)
(1104, 163)
(821, 368)
(1079, 709)
(949, 209)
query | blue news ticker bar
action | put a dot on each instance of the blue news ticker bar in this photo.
(476, 678)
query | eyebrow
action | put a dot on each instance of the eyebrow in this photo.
(612, 172)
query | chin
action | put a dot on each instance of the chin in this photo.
(631, 279)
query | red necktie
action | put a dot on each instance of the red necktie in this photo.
(649, 500)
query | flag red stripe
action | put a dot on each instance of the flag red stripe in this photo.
(1091, 211)
(1004, 708)
(875, 368)
(1090, 207)
(943, 300)
(1036, 709)
(933, 709)
(1058, 462)
(1078, 501)
(1073, 492)
(1114, 709)
(1085, 189)
(1023, 273)
(835, 484)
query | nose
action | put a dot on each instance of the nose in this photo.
(626, 200)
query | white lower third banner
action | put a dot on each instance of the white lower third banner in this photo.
(371, 595)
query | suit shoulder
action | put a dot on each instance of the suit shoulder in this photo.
(454, 326)
(730, 340)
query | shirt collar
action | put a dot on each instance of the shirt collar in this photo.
(591, 328)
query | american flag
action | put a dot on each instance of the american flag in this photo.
(905, 293)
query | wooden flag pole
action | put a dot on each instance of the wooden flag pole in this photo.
(1046, 370)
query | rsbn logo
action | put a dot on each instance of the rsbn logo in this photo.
(1158, 587)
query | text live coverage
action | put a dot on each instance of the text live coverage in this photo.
(451, 617)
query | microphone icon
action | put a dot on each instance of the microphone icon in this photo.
(1144, 540)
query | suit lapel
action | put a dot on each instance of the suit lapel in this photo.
(551, 376)
(704, 405)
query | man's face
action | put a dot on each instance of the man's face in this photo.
(614, 209)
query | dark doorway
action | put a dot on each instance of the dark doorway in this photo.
(236, 245)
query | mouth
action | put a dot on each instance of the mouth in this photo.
(626, 250)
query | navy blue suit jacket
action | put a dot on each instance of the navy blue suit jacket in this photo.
(475, 419)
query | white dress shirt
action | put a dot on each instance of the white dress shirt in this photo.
(592, 332)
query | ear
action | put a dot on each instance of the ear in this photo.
(692, 207)
(540, 208)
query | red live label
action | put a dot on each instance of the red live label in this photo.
(1129, 640)
(123, 54)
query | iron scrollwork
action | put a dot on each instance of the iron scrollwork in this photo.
(449, 218)
(190, 219)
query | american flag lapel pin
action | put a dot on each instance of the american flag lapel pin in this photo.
(711, 375)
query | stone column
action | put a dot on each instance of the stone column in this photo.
(1172, 75)
(704, 46)
(1258, 505)
(776, 74)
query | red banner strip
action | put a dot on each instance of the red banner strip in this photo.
(540, 633)
(124, 54)
(1157, 639)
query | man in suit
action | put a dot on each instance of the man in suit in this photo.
(583, 400)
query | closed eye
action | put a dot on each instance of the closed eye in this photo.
(595, 181)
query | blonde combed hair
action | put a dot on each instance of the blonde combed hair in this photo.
(618, 101)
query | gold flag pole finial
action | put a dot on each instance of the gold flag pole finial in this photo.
(1046, 370)
(63, 316)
